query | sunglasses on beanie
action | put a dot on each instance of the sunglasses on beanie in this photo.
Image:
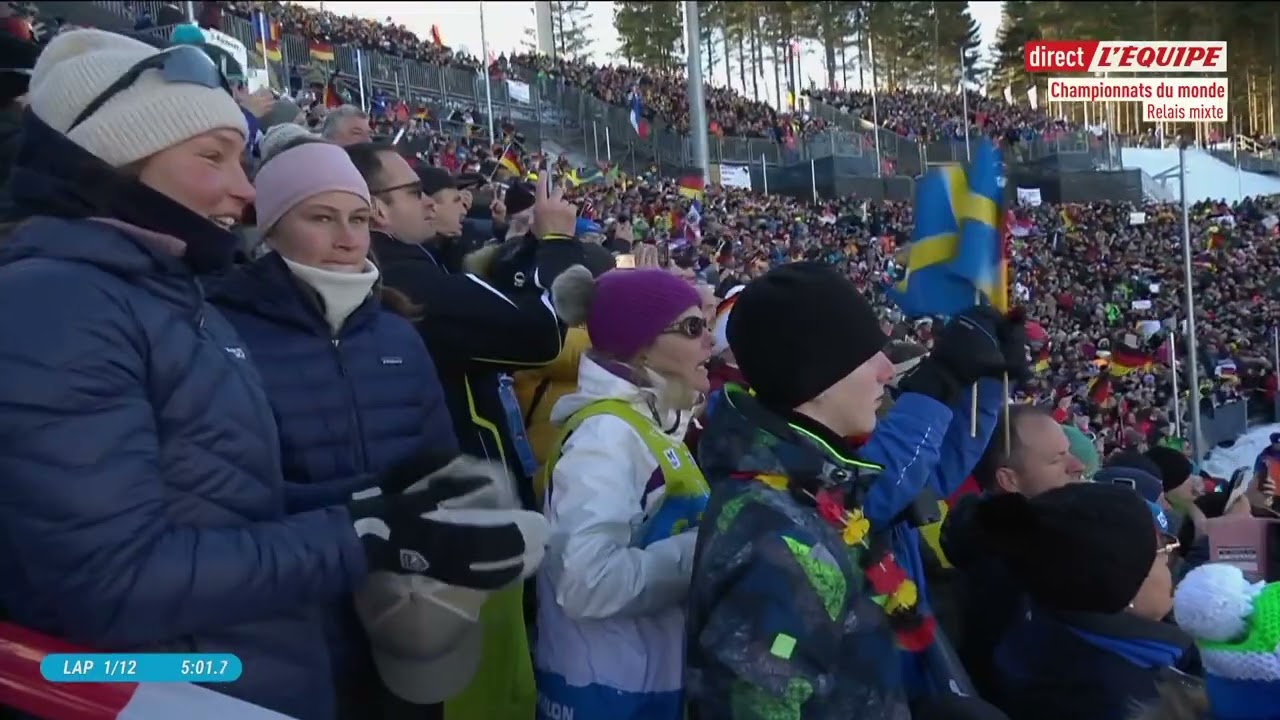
(185, 64)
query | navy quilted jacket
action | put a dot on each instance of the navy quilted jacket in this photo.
(347, 406)
(142, 506)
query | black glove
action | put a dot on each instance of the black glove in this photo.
(397, 478)
(970, 346)
(1013, 344)
(435, 529)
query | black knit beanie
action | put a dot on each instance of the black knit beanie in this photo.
(1085, 547)
(1175, 468)
(799, 329)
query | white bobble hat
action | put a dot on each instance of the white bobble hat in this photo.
(141, 120)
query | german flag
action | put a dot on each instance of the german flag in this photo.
(332, 98)
(510, 161)
(1100, 389)
(320, 50)
(1126, 360)
(692, 186)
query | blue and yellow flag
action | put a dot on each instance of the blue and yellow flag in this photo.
(980, 257)
(930, 287)
(956, 251)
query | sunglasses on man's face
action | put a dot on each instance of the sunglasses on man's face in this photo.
(691, 327)
(184, 64)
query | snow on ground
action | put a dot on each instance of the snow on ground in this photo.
(1223, 461)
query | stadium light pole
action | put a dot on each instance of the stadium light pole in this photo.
(488, 80)
(1193, 355)
(697, 101)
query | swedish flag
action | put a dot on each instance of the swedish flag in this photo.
(930, 287)
(956, 250)
(980, 257)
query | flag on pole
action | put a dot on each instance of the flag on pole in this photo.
(929, 287)
(266, 33)
(320, 50)
(638, 123)
(692, 186)
(510, 161)
(980, 254)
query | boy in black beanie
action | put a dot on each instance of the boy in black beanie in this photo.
(787, 560)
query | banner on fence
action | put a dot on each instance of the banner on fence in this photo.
(518, 91)
(1029, 196)
(735, 176)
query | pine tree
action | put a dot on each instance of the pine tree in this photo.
(649, 33)
(569, 27)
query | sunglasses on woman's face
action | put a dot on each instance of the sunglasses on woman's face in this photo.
(691, 327)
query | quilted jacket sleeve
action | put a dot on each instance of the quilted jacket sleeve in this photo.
(82, 502)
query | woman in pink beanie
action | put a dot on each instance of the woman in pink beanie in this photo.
(623, 498)
(361, 415)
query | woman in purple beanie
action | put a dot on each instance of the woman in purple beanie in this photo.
(623, 499)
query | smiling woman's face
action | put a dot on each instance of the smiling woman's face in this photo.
(204, 174)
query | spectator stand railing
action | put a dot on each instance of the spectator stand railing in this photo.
(554, 111)
(604, 133)
(413, 81)
(910, 157)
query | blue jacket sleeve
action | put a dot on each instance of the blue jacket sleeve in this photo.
(84, 506)
(304, 497)
(961, 450)
(906, 444)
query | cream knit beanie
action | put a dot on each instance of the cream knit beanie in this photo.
(143, 119)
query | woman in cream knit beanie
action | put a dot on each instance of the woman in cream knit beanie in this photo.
(141, 120)
(140, 456)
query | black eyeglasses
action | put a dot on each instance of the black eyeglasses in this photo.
(414, 187)
(691, 327)
(182, 64)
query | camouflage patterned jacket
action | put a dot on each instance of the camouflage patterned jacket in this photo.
(781, 621)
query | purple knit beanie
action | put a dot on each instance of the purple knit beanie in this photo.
(631, 308)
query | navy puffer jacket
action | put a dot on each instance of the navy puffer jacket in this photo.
(348, 405)
(142, 505)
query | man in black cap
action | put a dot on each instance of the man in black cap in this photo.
(787, 560)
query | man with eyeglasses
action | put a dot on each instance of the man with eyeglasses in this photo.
(1038, 460)
(477, 327)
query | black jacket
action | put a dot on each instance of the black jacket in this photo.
(987, 597)
(477, 330)
(1072, 666)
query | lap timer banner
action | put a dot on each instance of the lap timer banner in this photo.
(140, 667)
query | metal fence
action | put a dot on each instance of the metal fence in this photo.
(910, 157)
(555, 111)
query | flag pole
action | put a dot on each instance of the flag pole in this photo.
(964, 96)
(263, 25)
(1192, 355)
(875, 106)
(1173, 362)
(488, 89)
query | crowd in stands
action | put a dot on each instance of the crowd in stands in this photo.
(397, 425)
(382, 36)
(931, 116)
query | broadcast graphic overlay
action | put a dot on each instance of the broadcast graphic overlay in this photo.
(1179, 92)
